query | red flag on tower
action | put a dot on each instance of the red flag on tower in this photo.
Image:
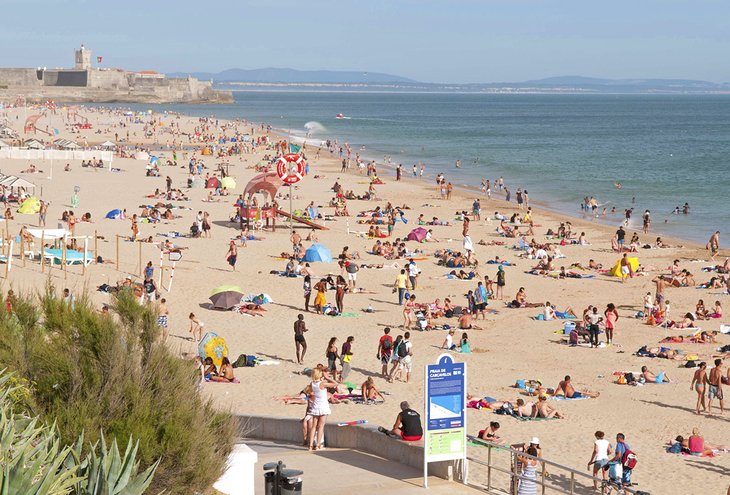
(98, 59)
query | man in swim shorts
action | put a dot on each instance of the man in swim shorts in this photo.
(715, 392)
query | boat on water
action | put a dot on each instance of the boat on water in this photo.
(341, 116)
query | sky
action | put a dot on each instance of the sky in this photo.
(452, 41)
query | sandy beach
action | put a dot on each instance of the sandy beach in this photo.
(511, 344)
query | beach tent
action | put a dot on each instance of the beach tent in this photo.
(318, 252)
(34, 144)
(616, 270)
(13, 182)
(48, 234)
(30, 206)
(228, 183)
(108, 145)
(214, 347)
(213, 183)
(417, 234)
(267, 183)
(142, 155)
(114, 214)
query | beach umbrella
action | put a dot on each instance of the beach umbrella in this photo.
(114, 214)
(214, 347)
(30, 206)
(153, 160)
(318, 252)
(226, 288)
(417, 234)
(268, 183)
(228, 183)
(142, 155)
(226, 299)
(213, 183)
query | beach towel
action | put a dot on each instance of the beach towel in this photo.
(527, 418)
(562, 397)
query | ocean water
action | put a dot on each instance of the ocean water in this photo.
(665, 150)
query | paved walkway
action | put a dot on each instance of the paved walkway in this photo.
(348, 472)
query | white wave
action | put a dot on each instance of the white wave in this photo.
(314, 128)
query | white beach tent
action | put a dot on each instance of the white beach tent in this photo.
(34, 144)
(66, 144)
(108, 145)
(13, 182)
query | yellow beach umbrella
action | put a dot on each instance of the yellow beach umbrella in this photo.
(214, 347)
(30, 206)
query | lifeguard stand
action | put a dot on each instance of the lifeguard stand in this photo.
(82, 59)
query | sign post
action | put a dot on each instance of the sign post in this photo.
(290, 169)
(445, 410)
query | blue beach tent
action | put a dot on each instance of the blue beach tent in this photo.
(318, 252)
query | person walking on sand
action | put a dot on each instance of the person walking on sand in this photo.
(500, 282)
(699, 384)
(346, 357)
(385, 351)
(299, 341)
(599, 458)
(715, 392)
(42, 210)
(232, 255)
(714, 244)
(611, 315)
(196, 327)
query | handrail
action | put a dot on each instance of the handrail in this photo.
(544, 479)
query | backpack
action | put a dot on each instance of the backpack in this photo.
(629, 459)
(387, 343)
(402, 351)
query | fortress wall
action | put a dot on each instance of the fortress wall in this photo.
(108, 79)
(19, 77)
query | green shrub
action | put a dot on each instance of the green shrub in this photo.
(94, 373)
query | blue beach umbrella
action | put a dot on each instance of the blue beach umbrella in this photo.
(114, 214)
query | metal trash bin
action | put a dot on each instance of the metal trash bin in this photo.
(291, 486)
(280, 481)
(270, 483)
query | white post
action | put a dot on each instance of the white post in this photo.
(172, 274)
(86, 247)
(10, 255)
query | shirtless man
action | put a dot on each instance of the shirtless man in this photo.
(295, 240)
(660, 285)
(525, 409)
(543, 410)
(715, 382)
(565, 387)
(465, 321)
(714, 244)
(650, 377)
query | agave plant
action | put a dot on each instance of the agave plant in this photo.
(110, 473)
(31, 454)
(33, 461)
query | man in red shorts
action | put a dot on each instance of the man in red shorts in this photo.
(407, 424)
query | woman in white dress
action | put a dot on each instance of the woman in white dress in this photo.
(320, 407)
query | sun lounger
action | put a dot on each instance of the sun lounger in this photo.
(55, 256)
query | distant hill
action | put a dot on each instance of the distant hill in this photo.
(332, 80)
(293, 76)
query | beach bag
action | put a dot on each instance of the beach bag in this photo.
(621, 380)
(690, 364)
(676, 448)
(629, 460)
(629, 377)
(245, 361)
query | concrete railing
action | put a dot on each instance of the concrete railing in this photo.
(364, 438)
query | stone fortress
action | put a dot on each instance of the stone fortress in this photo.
(84, 83)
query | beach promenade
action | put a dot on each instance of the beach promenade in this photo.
(511, 344)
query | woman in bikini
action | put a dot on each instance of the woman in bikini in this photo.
(490, 433)
(225, 374)
(699, 382)
(370, 391)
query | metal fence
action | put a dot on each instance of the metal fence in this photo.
(498, 469)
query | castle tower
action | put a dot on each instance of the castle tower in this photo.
(83, 59)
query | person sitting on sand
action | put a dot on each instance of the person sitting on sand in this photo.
(543, 410)
(650, 377)
(225, 374)
(565, 388)
(696, 445)
(209, 369)
(520, 300)
(465, 321)
(524, 409)
(370, 391)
